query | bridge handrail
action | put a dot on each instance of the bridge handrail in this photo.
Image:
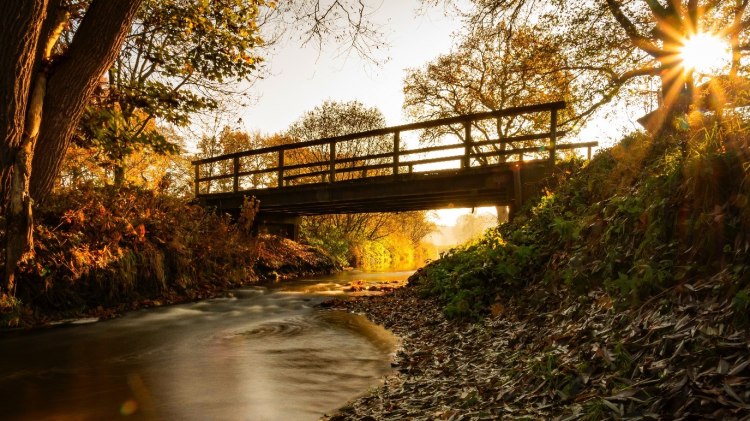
(507, 112)
(332, 166)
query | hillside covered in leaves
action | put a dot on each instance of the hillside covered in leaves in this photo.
(642, 218)
(621, 294)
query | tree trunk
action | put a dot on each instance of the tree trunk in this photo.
(118, 175)
(95, 47)
(21, 25)
(43, 103)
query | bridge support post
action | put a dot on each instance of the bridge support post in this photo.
(197, 179)
(517, 192)
(282, 225)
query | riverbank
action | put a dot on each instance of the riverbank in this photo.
(557, 355)
(278, 259)
(101, 251)
(621, 293)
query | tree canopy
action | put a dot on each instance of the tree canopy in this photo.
(608, 44)
(491, 69)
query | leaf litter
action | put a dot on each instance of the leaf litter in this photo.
(557, 355)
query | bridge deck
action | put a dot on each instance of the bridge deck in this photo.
(481, 186)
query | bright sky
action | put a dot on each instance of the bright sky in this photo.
(303, 77)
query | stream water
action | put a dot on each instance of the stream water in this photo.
(263, 354)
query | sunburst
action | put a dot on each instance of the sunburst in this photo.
(705, 53)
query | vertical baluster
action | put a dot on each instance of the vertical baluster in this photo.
(332, 164)
(396, 151)
(501, 141)
(236, 174)
(466, 163)
(281, 168)
(552, 135)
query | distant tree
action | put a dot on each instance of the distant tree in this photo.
(332, 119)
(490, 69)
(229, 141)
(166, 173)
(471, 226)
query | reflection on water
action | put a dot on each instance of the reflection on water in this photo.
(353, 282)
(265, 354)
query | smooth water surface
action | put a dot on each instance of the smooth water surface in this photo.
(264, 354)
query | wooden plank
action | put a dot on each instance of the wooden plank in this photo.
(520, 138)
(340, 170)
(320, 164)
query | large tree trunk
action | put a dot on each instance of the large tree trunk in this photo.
(21, 25)
(42, 102)
(95, 47)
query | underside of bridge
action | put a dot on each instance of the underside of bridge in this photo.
(495, 185)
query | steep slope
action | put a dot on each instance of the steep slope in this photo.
(621, 293)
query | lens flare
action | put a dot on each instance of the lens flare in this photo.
(705, 53)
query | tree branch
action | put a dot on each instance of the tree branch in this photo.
(632, 32)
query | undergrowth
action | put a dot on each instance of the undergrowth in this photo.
(101, 251)
(642, 216)
(104, 246)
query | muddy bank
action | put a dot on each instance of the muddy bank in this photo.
(552, 355)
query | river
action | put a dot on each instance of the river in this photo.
(260, 354)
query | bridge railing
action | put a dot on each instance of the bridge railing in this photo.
(493, 137)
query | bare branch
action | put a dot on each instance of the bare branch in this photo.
(636, 38)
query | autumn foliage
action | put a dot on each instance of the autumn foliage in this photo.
(103, 250)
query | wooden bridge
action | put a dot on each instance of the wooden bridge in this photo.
(484, 159)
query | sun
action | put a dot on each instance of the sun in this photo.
(705, 54)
